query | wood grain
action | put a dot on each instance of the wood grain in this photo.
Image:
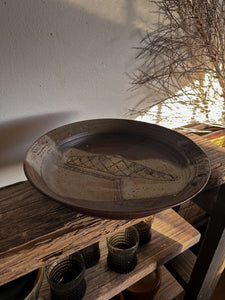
(168, 290)
(35, 230)
(166, 243)
(172, 235)
(216, 155)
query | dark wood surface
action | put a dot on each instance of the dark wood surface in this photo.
(173, 236)
(35, 230)
(170, 235)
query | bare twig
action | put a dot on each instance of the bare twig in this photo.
(188, 45)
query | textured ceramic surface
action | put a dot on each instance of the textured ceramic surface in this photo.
(117, 168)
(66, 278)
(122, 248)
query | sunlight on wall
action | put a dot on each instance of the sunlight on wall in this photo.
(115, 11)
(180, 110)
(120, 12)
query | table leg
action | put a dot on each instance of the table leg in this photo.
(210, 261)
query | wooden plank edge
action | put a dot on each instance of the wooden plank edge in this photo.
(104, 284)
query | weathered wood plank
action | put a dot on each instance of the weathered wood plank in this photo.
(214, 134)
(171, 235)
(166, 243)
(168, 290)
(216, 156)
(35, 230)
(26, 214)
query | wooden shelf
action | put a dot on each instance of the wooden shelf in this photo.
(171, 235)
(168, 290)
(36, 230)
(216, 155)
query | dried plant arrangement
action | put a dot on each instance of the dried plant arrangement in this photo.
(183, 58)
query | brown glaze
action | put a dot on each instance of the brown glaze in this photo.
(117, 168)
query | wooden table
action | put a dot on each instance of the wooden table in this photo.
(35, 231)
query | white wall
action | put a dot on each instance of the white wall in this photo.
(62, 61)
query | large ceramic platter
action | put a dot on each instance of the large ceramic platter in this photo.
(117, 168)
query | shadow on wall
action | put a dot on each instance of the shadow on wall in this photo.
(17, 136)
(73, 50)
(62, 55)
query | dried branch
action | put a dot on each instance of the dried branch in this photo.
(187, 45)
